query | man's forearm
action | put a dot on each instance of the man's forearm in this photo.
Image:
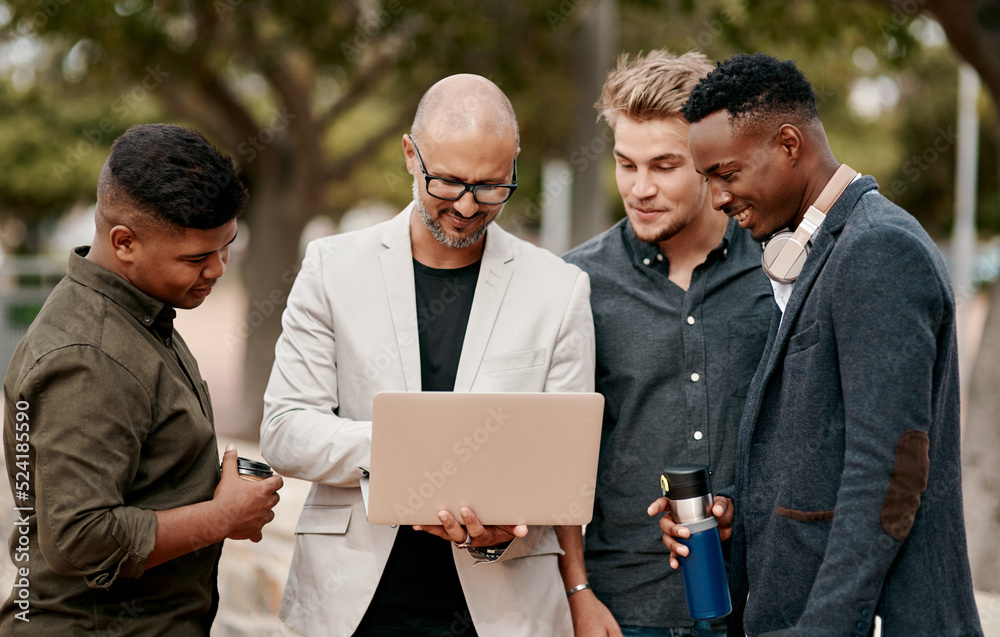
(185, 529)
(571, 564)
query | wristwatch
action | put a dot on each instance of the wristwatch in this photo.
(488, 553)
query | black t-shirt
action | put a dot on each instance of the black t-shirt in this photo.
(444, 301)
(419, 593)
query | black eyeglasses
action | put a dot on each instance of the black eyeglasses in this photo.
(453, 190)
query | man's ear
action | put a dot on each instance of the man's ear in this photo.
(124, 243)
(790, 141)
(410, 155)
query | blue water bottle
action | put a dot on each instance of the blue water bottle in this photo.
(706, 586)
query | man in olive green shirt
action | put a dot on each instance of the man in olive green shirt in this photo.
(109, 438)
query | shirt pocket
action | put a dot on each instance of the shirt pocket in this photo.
(324, 519)
(515, 360)
(548, 544)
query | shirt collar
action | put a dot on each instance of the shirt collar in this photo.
(649, 254)
(153, 314)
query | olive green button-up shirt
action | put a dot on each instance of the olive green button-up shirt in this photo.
(106, 421)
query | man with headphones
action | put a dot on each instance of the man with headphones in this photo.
(847, 496)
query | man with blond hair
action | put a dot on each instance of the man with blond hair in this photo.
(681, 312)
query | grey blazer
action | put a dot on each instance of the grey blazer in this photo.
(848, 481)
(350, 331)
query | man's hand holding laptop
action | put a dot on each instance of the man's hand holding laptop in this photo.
(472, 533)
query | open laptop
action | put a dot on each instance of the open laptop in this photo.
(513, 458)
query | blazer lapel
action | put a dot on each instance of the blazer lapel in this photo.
(397, 274)
(822, 245)
(803, 285)
(494, 277)
(825, 240)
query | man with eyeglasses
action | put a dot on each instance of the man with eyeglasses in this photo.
(437, 299)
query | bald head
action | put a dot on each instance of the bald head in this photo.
(465, 104)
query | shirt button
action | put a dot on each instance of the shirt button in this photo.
(645, 261)
(697, 435)
(146, 319)
(690, 320)
(659, 257)
(695, 377)
(167, 340)
(725, 252)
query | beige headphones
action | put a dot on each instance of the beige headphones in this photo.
(785, 253)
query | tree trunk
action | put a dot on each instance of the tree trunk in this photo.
(595, 47)
(980, 450)
(276, 218)
(973, 29)
(981, 446)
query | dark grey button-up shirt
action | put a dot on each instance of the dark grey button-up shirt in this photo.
(106, 421)
(674, 367)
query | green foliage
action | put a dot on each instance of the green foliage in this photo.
(387, 53)
(144, 61)
(48, 161)
(824, 38)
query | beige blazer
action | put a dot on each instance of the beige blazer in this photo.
(350, 331)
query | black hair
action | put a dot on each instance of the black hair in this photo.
(756, 90)
(175, 175)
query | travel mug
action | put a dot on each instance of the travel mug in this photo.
(706, 586)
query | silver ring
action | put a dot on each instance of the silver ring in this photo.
(466, 543)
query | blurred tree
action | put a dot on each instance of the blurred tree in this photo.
(885, 81)
(973, 28)
(40, 173)
(300, 93)
(310, 98)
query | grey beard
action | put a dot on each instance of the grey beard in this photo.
(434, 226)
